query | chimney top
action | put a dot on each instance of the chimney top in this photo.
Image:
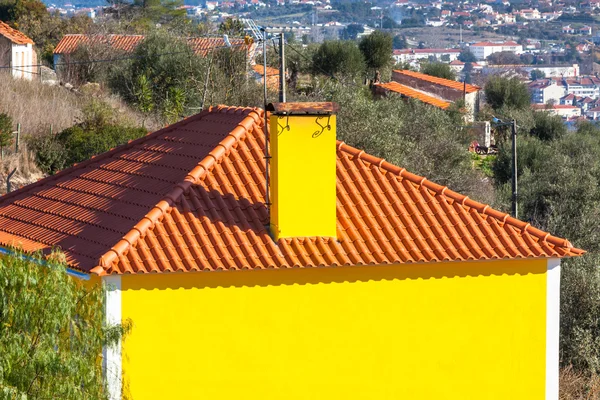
(313, 108)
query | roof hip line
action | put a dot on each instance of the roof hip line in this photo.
(171, 198)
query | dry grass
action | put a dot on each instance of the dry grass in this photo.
(26, 169)
(36, 106)
(578, 386)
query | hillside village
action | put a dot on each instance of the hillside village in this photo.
(306, 191)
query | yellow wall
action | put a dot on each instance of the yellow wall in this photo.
(429, 331)
(303, 176)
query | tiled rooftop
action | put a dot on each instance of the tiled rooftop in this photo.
(127, 43)
(440, 81)
(190, 197)
(414, 94)
(14, 35)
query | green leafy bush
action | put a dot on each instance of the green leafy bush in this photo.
(52, 331)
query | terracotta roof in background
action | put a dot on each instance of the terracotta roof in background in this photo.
(69, 43)
(414, 94)
(425, 51)
(14, 35)
(440, 81)
(190, 197)
(260, 69)
(127, 43)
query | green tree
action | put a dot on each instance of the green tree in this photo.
(506, 92)
(467, 56)
(537, 74)
(341, 58)
(143, 95)
(440, 70)
(547, 126)
(377, 49)
(6, 132)
(52, 331)
(232, 27)
(400, 42)
(351, 31)
(504, 58)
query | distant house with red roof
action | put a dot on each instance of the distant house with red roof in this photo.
(562, 110)
(432, 90)
(128, 43)
(16, 53)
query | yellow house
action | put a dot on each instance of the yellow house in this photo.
(352, 279)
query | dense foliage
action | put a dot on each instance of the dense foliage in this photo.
(52, 331)
(440, 70)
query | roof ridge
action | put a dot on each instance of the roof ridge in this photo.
(442, 81)
(457, 197)
(213, 157)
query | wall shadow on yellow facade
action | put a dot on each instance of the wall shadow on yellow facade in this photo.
(344, 274)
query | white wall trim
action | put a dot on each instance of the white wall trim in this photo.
(552, 327)
(112, 355)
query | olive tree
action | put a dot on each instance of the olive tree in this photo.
(52, 331)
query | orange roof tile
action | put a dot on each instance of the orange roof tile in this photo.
(414, 94)
(259, 69)
(14, 35)
(127, 43)
(190, 197)
(440, 81)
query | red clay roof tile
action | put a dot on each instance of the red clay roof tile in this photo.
(127, 43)
(14, 35)
(440, 81)
(414, 94)
(152, 206)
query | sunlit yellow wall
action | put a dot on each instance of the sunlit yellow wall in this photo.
(303, 176)
(437, 331)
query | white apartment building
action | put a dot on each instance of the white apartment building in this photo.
(483, 50)
(544, 90)
(409, 55)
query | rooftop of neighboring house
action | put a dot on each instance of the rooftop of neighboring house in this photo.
(553, 107)
(582, 81)
(595, 109)
(127, 43)
(493, 44)
(190, 197)
(414, 94)
(425, 51)
(569, 96)
(440, 81)
(15, 36)
(260, 69)
(541, 83)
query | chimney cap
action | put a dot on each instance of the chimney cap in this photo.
(309, 108)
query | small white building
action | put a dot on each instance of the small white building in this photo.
(409, 55)
(593, 113)
(16, 53)
(544, 90)
(483, 50)
(563, 111)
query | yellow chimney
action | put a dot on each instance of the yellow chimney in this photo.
(303, 175)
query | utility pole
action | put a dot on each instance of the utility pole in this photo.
(514, 169)
(281, 69)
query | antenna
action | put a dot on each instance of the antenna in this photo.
(281, 68)
(266, 127)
